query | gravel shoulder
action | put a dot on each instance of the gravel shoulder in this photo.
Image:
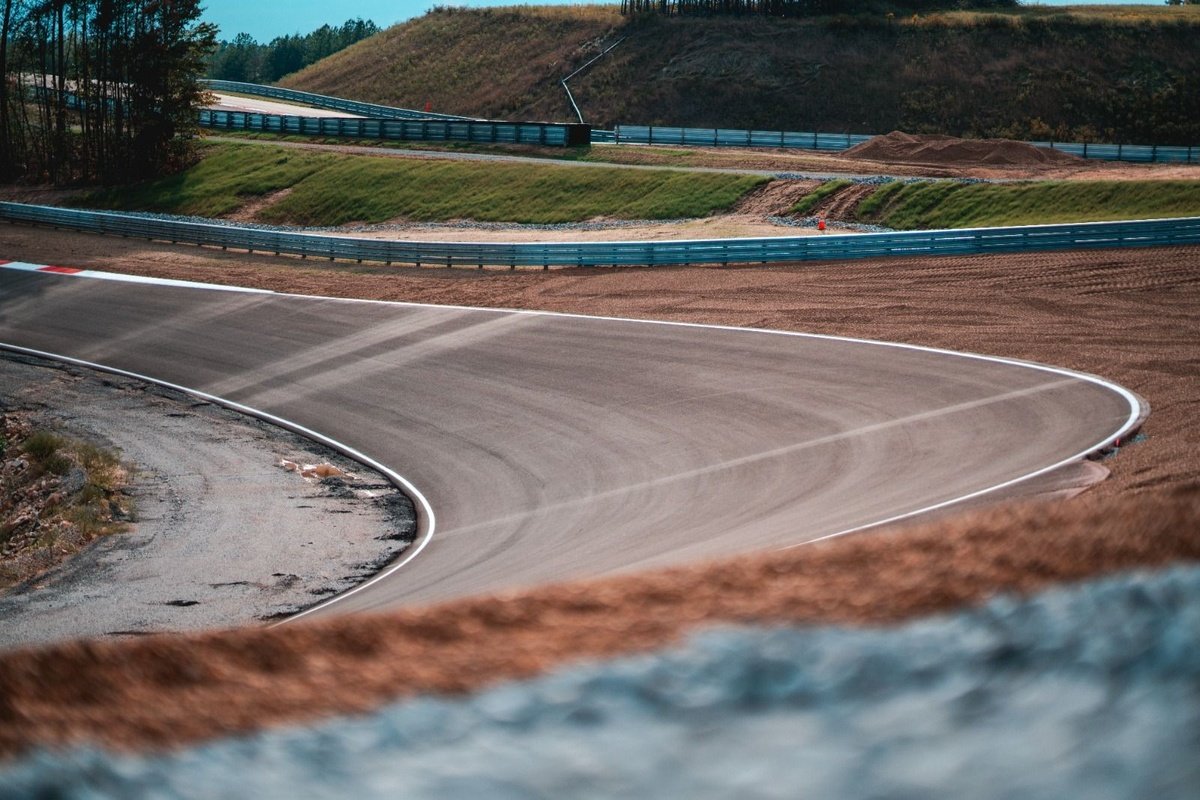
(222, 535)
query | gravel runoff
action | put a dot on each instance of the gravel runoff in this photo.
(463, 225)
(1092, 691)
(205, 486)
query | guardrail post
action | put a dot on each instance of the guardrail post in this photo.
(1085, 150)
(715, 137)
(1153, 153)
(814, 141)
(1119, 156)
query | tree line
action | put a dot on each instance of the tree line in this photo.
(803, 8)
(99, 90)
(244, 59)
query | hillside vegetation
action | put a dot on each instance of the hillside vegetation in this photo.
(307, 188)
(1127, 74)
(947, 204)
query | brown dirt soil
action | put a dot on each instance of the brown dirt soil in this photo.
(718, 227)
(906, 148)
(1130, 315)
(163, 691)
(842, 204)
(250, 210)
(775, 198)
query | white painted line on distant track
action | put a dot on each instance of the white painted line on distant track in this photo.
(1138, 408)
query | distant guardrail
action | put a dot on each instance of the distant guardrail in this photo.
(324, 101)
(409, 130)
(731, 137)
(1030, 238)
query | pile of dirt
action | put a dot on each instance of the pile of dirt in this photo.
(906, 148)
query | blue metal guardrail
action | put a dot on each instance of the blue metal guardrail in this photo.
(432, 130)
(728, 137)
(324, 101)
(1140, 233)
(731, 137)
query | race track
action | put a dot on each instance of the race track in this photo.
(552, 447)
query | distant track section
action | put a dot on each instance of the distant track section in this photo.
(373, 110)
(967, 241)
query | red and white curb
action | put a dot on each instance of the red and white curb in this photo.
(117, 276)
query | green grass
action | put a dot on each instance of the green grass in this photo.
(97, 508)
(810, 200)
(219, 184)
(945, 204)
(332, 189)
(41, 445)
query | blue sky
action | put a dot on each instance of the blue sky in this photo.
(266, 19)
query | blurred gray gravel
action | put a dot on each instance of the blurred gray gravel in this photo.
(1087, 692)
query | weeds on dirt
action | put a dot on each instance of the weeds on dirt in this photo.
(56, 495)
(813, 198)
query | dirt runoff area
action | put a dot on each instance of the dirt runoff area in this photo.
(220, 532)
(1129, 315)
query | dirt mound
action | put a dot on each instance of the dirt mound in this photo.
(907, 148)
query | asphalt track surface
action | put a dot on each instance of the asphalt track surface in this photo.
(551, 447)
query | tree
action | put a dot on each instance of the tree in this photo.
(244, 59)
(99, 89)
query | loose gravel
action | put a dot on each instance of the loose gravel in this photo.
(220, 535)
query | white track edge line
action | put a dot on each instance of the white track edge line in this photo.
(397, 480)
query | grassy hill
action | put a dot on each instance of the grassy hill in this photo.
(307, 188)
(1124, 73)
